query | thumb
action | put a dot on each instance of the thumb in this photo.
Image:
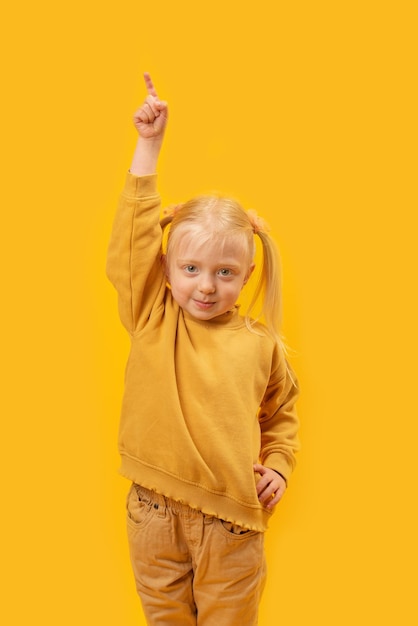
(259, 468)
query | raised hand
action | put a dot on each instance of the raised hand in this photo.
(151, 118)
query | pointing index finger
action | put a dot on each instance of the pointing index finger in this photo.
(149, 85)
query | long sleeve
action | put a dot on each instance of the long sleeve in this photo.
(133, 263)
(279, 422)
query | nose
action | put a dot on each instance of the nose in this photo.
(206, 284)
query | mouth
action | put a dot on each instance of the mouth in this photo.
(203, 305)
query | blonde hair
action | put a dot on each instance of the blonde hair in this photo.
(217, 217)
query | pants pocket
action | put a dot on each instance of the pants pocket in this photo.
(138, 510)
(234, 530)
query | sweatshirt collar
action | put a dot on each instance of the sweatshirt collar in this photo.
(230, 318)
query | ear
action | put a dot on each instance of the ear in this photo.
(248, 274)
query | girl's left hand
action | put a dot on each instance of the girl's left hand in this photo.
(150, 119)
(270, 487)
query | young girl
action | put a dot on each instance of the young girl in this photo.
(208, 429)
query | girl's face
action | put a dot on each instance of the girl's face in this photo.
(206, 278)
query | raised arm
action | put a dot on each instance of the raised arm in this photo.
(150, 121)
(134, 257)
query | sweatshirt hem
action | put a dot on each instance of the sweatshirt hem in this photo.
(198, 497)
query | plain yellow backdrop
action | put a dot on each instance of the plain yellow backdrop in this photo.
(305, 111)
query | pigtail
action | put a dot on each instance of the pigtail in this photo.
(168, 215)
(165, 221)
(268, 290)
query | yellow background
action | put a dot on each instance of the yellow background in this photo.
(306, 111)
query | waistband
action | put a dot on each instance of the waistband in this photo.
(162, 503)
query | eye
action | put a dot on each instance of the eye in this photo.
(190, 269)
(225, 272)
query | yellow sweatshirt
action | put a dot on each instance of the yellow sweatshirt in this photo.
(204, 400)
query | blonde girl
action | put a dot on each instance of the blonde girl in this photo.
(208, 430)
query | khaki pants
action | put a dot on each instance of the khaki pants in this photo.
(192, 569)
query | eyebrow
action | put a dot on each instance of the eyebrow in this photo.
(228, 264)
